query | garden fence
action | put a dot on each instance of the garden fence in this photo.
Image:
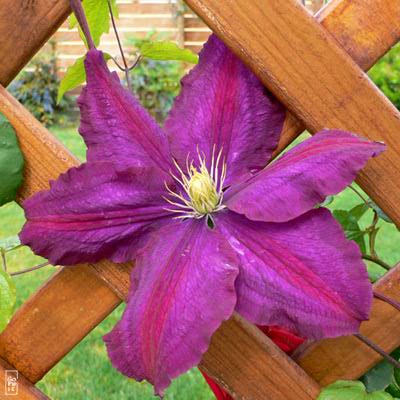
(169, 20)
(314, 65)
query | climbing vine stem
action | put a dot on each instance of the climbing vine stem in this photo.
(24, 271)
(126, 69)
(372, 232)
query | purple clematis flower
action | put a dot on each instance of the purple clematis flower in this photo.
(212, 229)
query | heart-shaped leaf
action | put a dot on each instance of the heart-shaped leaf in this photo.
(7, 298)
(11, 162)
(351, 390)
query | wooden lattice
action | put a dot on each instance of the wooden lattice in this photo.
(314, 66)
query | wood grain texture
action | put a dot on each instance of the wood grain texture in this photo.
(315, 78)
(25, 25)
(63, 311)
(366, 29)
(329, 360)
(271, 375)
(26, 391)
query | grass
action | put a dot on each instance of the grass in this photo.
(85, 373)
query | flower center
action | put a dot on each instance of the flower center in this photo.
(202, 191)
(202, 188)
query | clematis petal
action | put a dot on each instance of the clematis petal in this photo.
(113, 123)
(303, 275)
(182, 289)
(320, 166)
(92, 212)
(223, 103)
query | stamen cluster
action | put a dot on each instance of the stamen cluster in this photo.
(202, 190)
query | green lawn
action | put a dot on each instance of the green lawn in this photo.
(86, 372)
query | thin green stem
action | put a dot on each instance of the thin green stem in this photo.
(24, 271)
(395, 304)
(372, 232)
(4, 260)
(126, 69)
(358, 193)
(377, 261)
(377, 349)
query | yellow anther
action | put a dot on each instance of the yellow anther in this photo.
(202, 191)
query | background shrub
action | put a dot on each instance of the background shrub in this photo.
(156, 83)
(36, 88)
(386, 74)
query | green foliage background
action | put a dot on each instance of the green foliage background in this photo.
(386, 74)
(36, 88)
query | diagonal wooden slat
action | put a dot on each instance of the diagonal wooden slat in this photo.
(273, 375)
(24, 28)
(315, 78)
(329, 360)
(80, 290)
(365, 29)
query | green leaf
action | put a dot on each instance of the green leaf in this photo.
(97, 15)
(165, 50)
(9, 243)
(351, 390)
(11, 162)
(74, 76)
(351, 228)
(393, 389)
(397, 376)
(379, 377)
(7, 298)
(379, 211)
(358, 211)
(396, 353)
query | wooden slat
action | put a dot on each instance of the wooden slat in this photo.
(329, 360)
(38, 173)
(237, 348)
(55, 319)
(315, 78)
(24, 27)
(365, 29)
(24, 391)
